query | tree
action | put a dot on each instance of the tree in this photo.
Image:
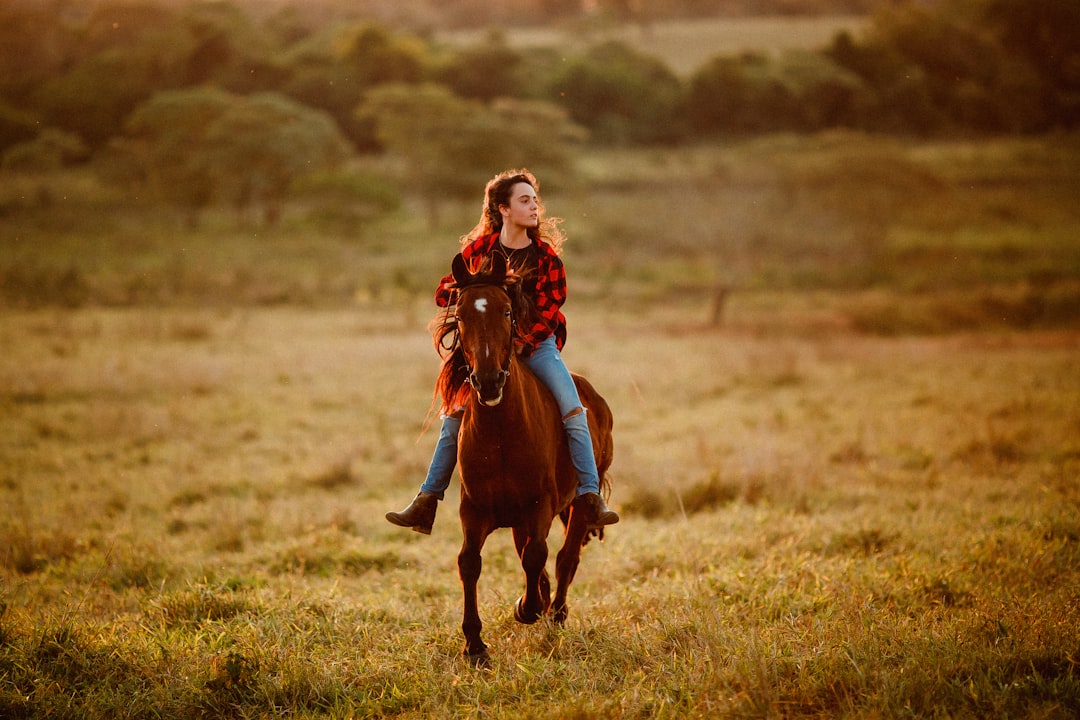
(93, 99)
(224, 47)
(1046, 35)
(262, 143)
(334, 76)
(424, 124)
(898, 97)
(377, 57)
(198, 146)
(488, 70)
(956, 59)
(452, 145)
(743, 94)
(533, 133)
(983, 65)
(168, 138)
(127, 50)
(620, 95)
(825, 94)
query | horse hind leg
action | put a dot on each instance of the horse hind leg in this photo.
(532, 549)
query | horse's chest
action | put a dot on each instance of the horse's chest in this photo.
(504, 458)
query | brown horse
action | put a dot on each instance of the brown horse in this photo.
(512, 453)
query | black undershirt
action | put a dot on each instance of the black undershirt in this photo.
(523, 261)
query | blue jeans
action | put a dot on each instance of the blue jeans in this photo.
(443, 461)
(547, 364)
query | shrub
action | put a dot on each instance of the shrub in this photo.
(49, 151)
(39, 287)
(745, 94)
(709, 495)
(620, 95)
(16, 126)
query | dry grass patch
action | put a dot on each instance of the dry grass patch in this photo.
(813, 525)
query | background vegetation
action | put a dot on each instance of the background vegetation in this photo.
(837, 321)
(157, 97)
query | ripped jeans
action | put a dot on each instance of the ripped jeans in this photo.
(547, 364)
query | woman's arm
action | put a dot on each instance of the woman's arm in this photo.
(550, 296)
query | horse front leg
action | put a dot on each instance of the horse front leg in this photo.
(566, 565)
(469, 566)
(533, 552)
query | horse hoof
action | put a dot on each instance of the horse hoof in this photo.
(479, 660)
(521, 616)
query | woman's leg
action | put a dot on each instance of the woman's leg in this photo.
(420, 514)
(444, 459)
(547, 364)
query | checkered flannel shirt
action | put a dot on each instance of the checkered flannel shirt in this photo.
(550, 291)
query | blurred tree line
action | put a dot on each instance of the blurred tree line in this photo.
(207, 103)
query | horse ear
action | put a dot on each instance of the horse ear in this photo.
(498, 267)
(460, 270)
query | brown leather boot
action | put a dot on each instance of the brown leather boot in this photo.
(597, 513)
(419, 516)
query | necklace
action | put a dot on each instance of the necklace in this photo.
(516, 257)
(512, 252)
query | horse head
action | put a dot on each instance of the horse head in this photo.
(485, 321)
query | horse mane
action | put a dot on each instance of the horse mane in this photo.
(451, 385)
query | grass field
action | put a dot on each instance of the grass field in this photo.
(839, 525)
(853, 494)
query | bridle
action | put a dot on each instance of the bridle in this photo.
(504, 372)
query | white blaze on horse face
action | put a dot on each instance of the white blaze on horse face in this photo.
(481, 307)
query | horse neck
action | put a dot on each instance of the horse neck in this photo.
(520, 399)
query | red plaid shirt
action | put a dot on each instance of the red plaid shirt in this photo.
(550, 291)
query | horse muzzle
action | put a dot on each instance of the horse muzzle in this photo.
(489, 386)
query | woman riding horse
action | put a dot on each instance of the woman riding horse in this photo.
(515, 464)
(512, 223)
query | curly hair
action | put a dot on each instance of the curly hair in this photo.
(496, 193)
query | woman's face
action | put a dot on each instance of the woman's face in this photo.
(523, 209)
